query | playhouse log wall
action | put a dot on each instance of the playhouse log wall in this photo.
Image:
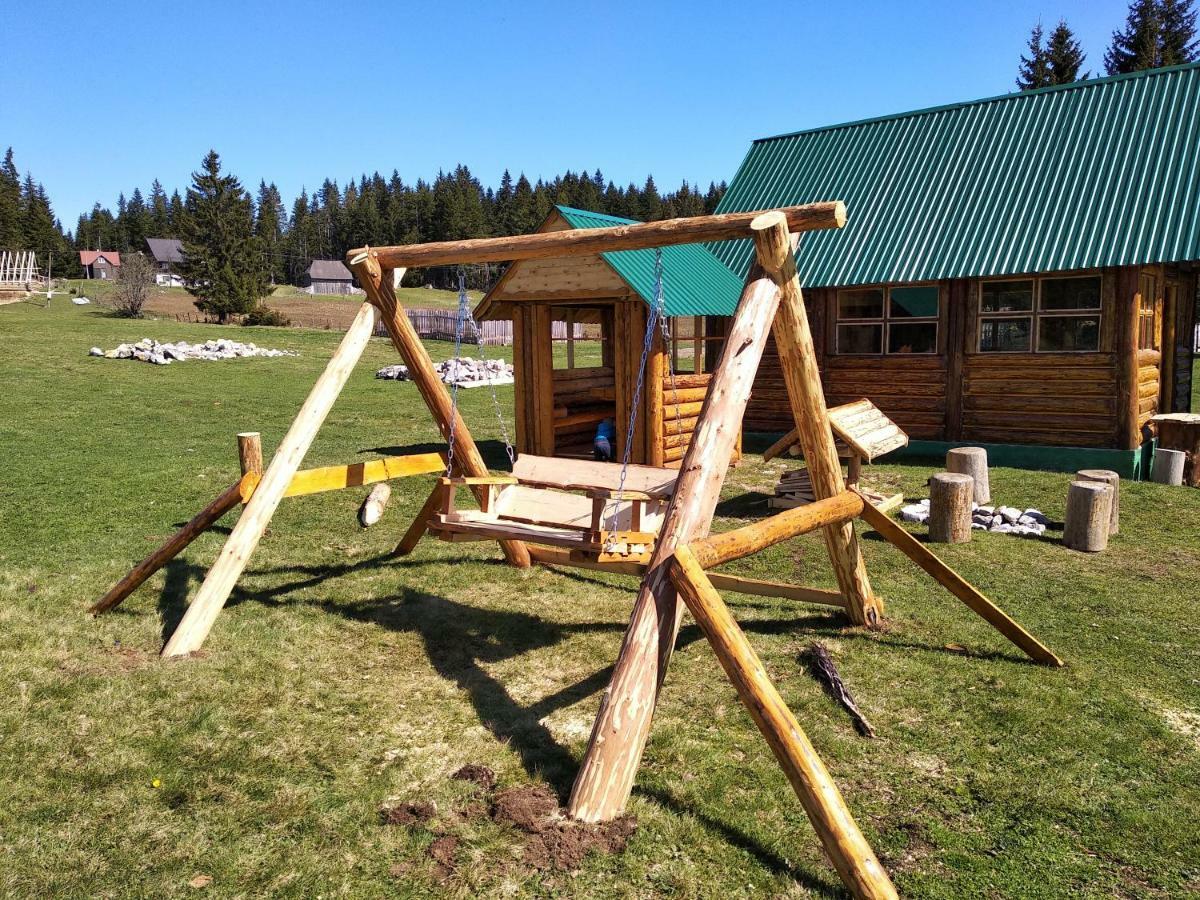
(1101, 399)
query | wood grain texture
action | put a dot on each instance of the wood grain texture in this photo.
(851, 855)
(622, 725)
(546, 245)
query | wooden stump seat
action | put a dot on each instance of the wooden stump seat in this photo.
(576, 504)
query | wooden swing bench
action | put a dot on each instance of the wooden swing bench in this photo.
(575, 504)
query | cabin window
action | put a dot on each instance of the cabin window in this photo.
(1044, 315)
(1148, 322)
(893, 320)
(694, 346)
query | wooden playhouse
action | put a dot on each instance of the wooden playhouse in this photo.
(565, 388)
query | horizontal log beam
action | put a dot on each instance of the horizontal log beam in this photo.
(335, 478)
(582, 241)
(750, 539)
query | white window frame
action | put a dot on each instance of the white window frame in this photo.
(885, 320)
(1036, 313)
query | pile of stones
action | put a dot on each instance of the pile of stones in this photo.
(151, 351)
(997, 519)
(463, 371)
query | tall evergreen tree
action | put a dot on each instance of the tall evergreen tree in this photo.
(222, 263)
(160, 214)
(1179, 43)
(269, 222)
(1034, 70)
(1064, 55)
(12, 235)
(1139, 45)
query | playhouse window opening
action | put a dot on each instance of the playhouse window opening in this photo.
(894, 320)
(695, 345)
(577, 340)
(1040, 315)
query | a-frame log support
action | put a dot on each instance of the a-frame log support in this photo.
(798, 361)
(622, 725)
(378, 283)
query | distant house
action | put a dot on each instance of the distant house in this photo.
(328, 276)
(167, 254)
(101, 264)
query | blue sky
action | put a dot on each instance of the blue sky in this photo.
(112, 96)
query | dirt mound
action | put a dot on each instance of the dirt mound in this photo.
(412, 813)
(551, 840)
(477, 775)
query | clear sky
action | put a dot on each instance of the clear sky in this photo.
(110, 96)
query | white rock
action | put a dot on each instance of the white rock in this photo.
(95, 351)
(915, 512)
(1037, 516)
(1009, 513)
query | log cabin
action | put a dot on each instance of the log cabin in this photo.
(564, 389)
(1018, 272)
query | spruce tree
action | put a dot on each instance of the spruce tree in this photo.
(160, 216)
(222, 260)
(1138, 45)
(1064, 55)
(1178, 40)
(1034, 70)
(12, 236)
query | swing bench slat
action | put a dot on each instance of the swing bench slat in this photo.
(565, 503)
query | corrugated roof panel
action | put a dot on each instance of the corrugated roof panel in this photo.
(1096, 173)
(695, 283)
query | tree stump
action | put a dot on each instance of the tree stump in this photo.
(1168, 466)
(1089, 505)
(1181, 431)
(1113, 480)
(950, 507)
(972, 461)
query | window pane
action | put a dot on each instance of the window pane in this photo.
(1068, 333)
(914, 302)
(912, 337)
(862, 304)
(1071, 293)
(1004, 335)
(860, 339)
(1006, 296)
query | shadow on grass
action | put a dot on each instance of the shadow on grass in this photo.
(493, 452)
(750, 505)
(172, 599)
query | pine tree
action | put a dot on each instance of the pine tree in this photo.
(1034, 70)
(1064, 55)
(1139, 45)
(160, 215)
(1178, 40)
(222, 260)
(268, 228)
(12, 236)
(136, 224)
(651, 205)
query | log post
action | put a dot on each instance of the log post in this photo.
(1168, 466)
(622, 725)
(781, 446)
(950, 508)
(374, 504)
(845, 845)
(1088, 516)
(248, 531)
(1113, 480)
(250, 452)
(972, 461)
(798, 361)
(404, 338)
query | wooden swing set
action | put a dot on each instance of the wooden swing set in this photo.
(553, 511)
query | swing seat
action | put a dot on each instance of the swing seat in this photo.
(566, 503)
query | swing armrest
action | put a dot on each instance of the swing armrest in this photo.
(613, 494)
(485, 490)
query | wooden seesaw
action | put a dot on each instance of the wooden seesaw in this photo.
(682, 548)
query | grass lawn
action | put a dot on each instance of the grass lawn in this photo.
(338, 678)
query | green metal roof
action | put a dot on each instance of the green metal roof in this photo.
(1096, 173)
(694, 282)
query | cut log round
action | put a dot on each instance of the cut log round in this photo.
(1113, 480)
(1168, 466)
(950, 508)
(972, 461)
(372, 507)
(1088, 513)
(250, 452)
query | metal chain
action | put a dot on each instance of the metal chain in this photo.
(657, 314)
(464, 312)
(508, 447)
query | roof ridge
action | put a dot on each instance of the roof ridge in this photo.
(563, 208)
(995, 98)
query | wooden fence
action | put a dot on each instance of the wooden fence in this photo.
(439, 325)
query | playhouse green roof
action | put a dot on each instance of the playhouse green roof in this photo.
(695, 283)
(1096, 173)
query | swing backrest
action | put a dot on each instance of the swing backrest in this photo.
(580, 474)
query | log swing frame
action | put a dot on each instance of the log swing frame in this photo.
(676, 568)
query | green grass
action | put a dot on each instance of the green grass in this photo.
(337, 677)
